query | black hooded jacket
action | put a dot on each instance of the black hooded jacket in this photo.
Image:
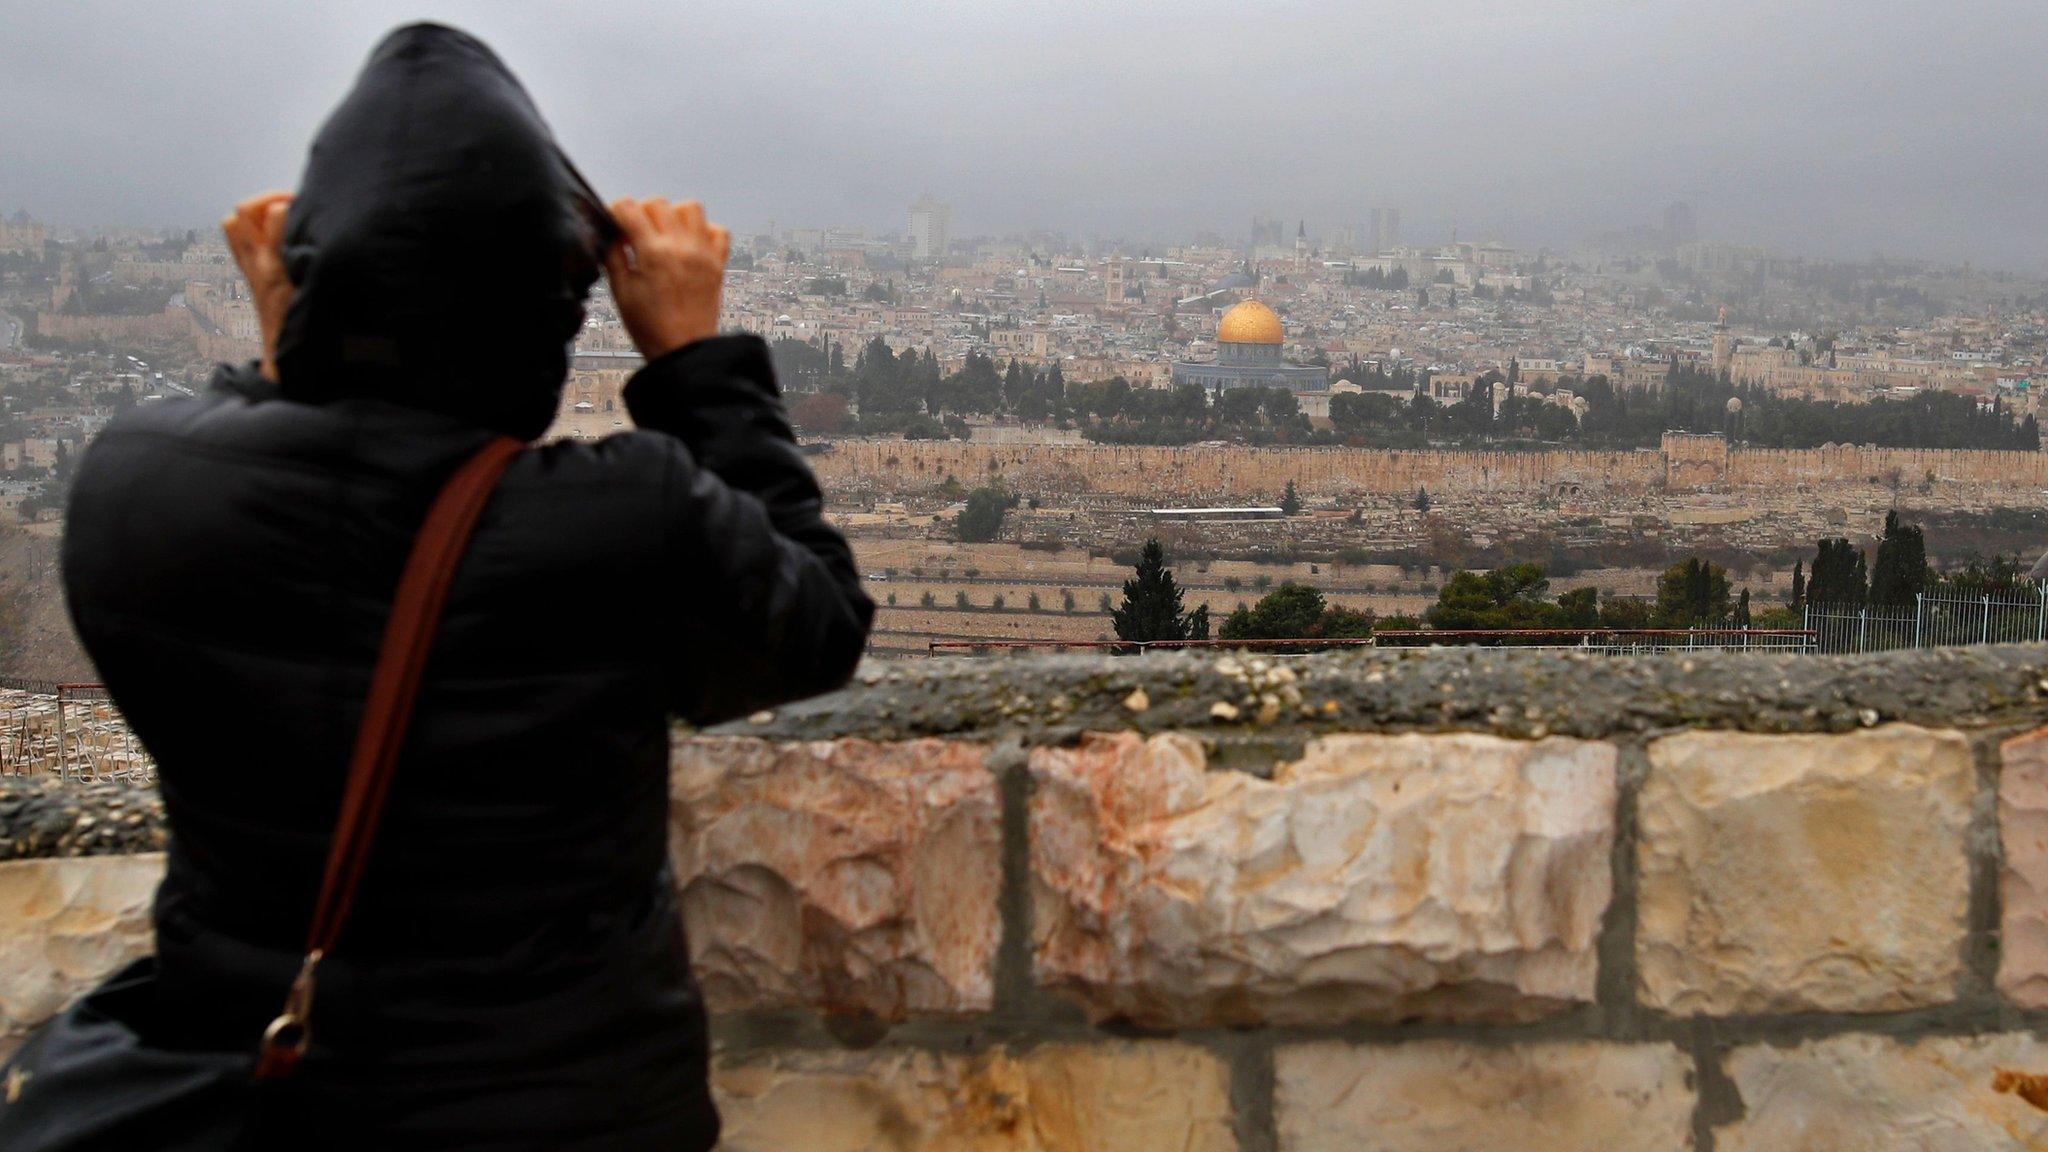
(514, 974)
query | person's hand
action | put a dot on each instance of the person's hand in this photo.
(666, 273)
(255, 234)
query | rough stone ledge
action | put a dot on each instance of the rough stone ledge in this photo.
(1448, 1096)
(1527, 694)
(1378, 877)
(43, 816)
(1804, 873)
(2023, 869)
(857, 877)
(66, 924)
(1049, 1098)
(1863, 1093)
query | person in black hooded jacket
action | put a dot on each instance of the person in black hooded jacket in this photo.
(514, 972)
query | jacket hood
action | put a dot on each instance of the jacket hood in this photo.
(440, 242)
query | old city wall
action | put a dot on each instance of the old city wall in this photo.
(1764, 467)
(165, 325)
(1241, 474)
(1413, 902)
(1221, 473)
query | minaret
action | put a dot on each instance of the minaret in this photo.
(1724, 346)
(1301, 246)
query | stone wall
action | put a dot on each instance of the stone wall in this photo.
(170, 324)
(1236, 474)
(1431, 901)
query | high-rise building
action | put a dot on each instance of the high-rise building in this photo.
(930, 227)
(1386, 229)
(1680, 225)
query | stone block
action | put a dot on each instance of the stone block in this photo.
(1861, 1093)
(846, 876)
(1804, 873)
(1452, 1096)
(1377, 878)
(65, 924)
(1130, 1097)
(2023, 875)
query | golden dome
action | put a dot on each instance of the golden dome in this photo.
(1249, 322)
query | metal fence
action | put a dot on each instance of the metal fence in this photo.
(71, 731)
(1999, 616)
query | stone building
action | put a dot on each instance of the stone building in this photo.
(21, 235)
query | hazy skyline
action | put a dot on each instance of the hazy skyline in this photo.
(1826, 128)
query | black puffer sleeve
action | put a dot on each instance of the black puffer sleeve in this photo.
(769, 605)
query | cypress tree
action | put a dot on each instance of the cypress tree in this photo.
(1152, 603)
(1899, 573)
(1839, 575)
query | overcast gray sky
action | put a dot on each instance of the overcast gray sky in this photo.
(1831, 127)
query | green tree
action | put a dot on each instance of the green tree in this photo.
(1152, 603)
(1510, 596)
(977, 387)
(1295, 612)
(1341, 623)
(1289, 612)
(1798, 601)
(1290, 501)
(1580, 608)
(982, 519)
(1692, 594)
(1626, 612)
(1899, 574)
(1978, 574)
(1839, 575)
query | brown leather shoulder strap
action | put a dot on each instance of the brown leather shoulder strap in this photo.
(394, 686)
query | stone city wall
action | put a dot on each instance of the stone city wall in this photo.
(1453, 900)
(168, 324)
(1240, 474)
